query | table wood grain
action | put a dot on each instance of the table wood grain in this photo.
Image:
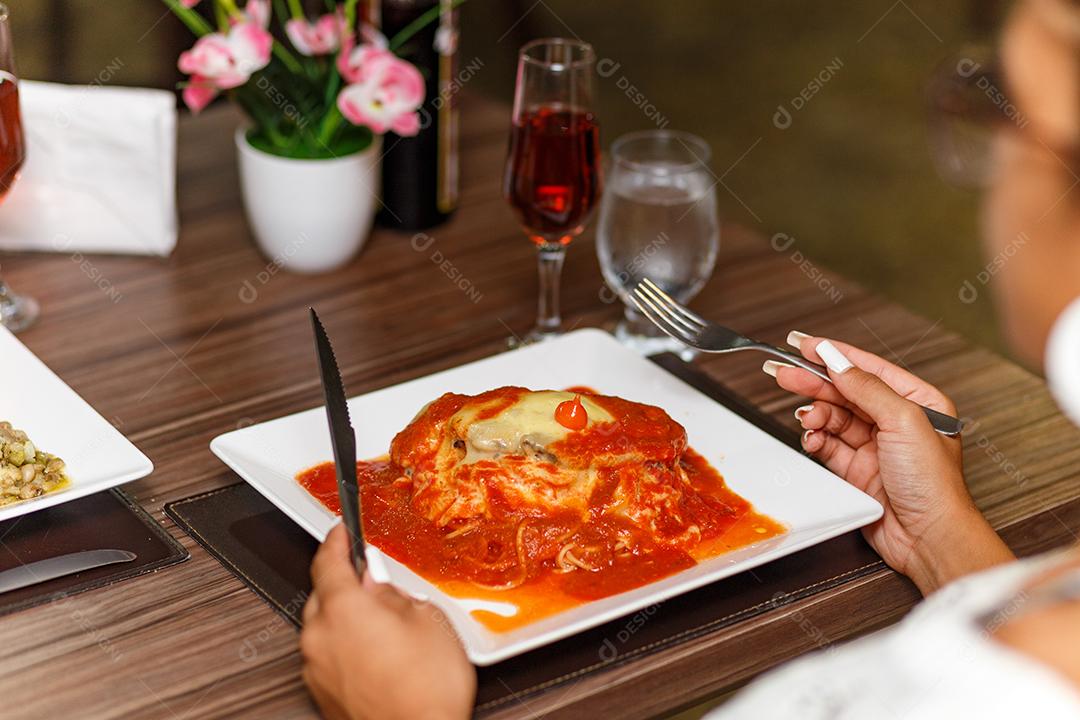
(175, 351)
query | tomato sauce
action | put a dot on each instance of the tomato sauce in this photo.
(510, 554)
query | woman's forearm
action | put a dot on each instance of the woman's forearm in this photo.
(960, 544)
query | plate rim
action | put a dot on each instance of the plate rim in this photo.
(140, 466)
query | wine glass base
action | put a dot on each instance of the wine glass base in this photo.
(18, 312)
(628, 332)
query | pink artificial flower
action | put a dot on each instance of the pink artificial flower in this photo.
(198, 93)
(189, 3)
(384, 92)
(370, 34)
(354, 62)
(258, 12)
(351, 58)
(220, 62)
(321, 37)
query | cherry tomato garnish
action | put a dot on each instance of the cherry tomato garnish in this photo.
(571, 414)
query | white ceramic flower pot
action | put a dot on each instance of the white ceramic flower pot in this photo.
(309, 216)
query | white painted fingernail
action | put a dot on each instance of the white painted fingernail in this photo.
(771, 366)
(806, 436)
(835, 359)
(795, 338)
(800, 411)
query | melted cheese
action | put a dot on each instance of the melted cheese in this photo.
(523, 428)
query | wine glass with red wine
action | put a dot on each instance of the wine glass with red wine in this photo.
(552, 175)
(16, 311)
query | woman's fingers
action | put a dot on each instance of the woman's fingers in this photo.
(888, 410)
(332, 572)
(329, 707)
(905, 383)
(332, 569)
(311, 608)
(836, 420)
(829, 449)
(802, 382)
(390, 597)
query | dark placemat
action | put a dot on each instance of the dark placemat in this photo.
(104, 520)
(270, 553)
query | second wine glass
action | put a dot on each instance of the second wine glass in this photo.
(552, 176)
(16, 311)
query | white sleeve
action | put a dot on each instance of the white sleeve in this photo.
(939, 663)
(1063, 361)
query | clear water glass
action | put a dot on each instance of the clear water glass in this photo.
(658, 220)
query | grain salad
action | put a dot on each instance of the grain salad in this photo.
(25, 471)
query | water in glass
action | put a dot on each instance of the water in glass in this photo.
(658, 219)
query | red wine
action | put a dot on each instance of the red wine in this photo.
(553, 172)
(12, 146)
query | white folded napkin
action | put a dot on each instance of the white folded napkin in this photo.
(100, 171)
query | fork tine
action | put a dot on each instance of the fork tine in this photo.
(671, 330)
(673, 303)
(648, 309)
(666, 310)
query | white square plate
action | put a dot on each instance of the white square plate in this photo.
(812, 502)
(58, 421)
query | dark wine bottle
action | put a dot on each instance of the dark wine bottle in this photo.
(420, 173)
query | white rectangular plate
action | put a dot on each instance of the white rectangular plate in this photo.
(813, 503)
(58, 421)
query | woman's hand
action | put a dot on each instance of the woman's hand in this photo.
(868, 428)
(371, 652)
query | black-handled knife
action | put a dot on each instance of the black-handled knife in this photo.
(343, 440)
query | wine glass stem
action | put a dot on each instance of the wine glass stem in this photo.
(16, 312)
(550, 262)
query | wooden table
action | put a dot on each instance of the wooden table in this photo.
(177, 351)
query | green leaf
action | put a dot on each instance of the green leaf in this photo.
(305, 146)
(189, 17)
(419, 24)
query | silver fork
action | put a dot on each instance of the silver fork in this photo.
(690, 328)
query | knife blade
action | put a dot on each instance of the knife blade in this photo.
(343, 439)
(40, 571)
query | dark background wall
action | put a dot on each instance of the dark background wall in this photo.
(851, 178)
